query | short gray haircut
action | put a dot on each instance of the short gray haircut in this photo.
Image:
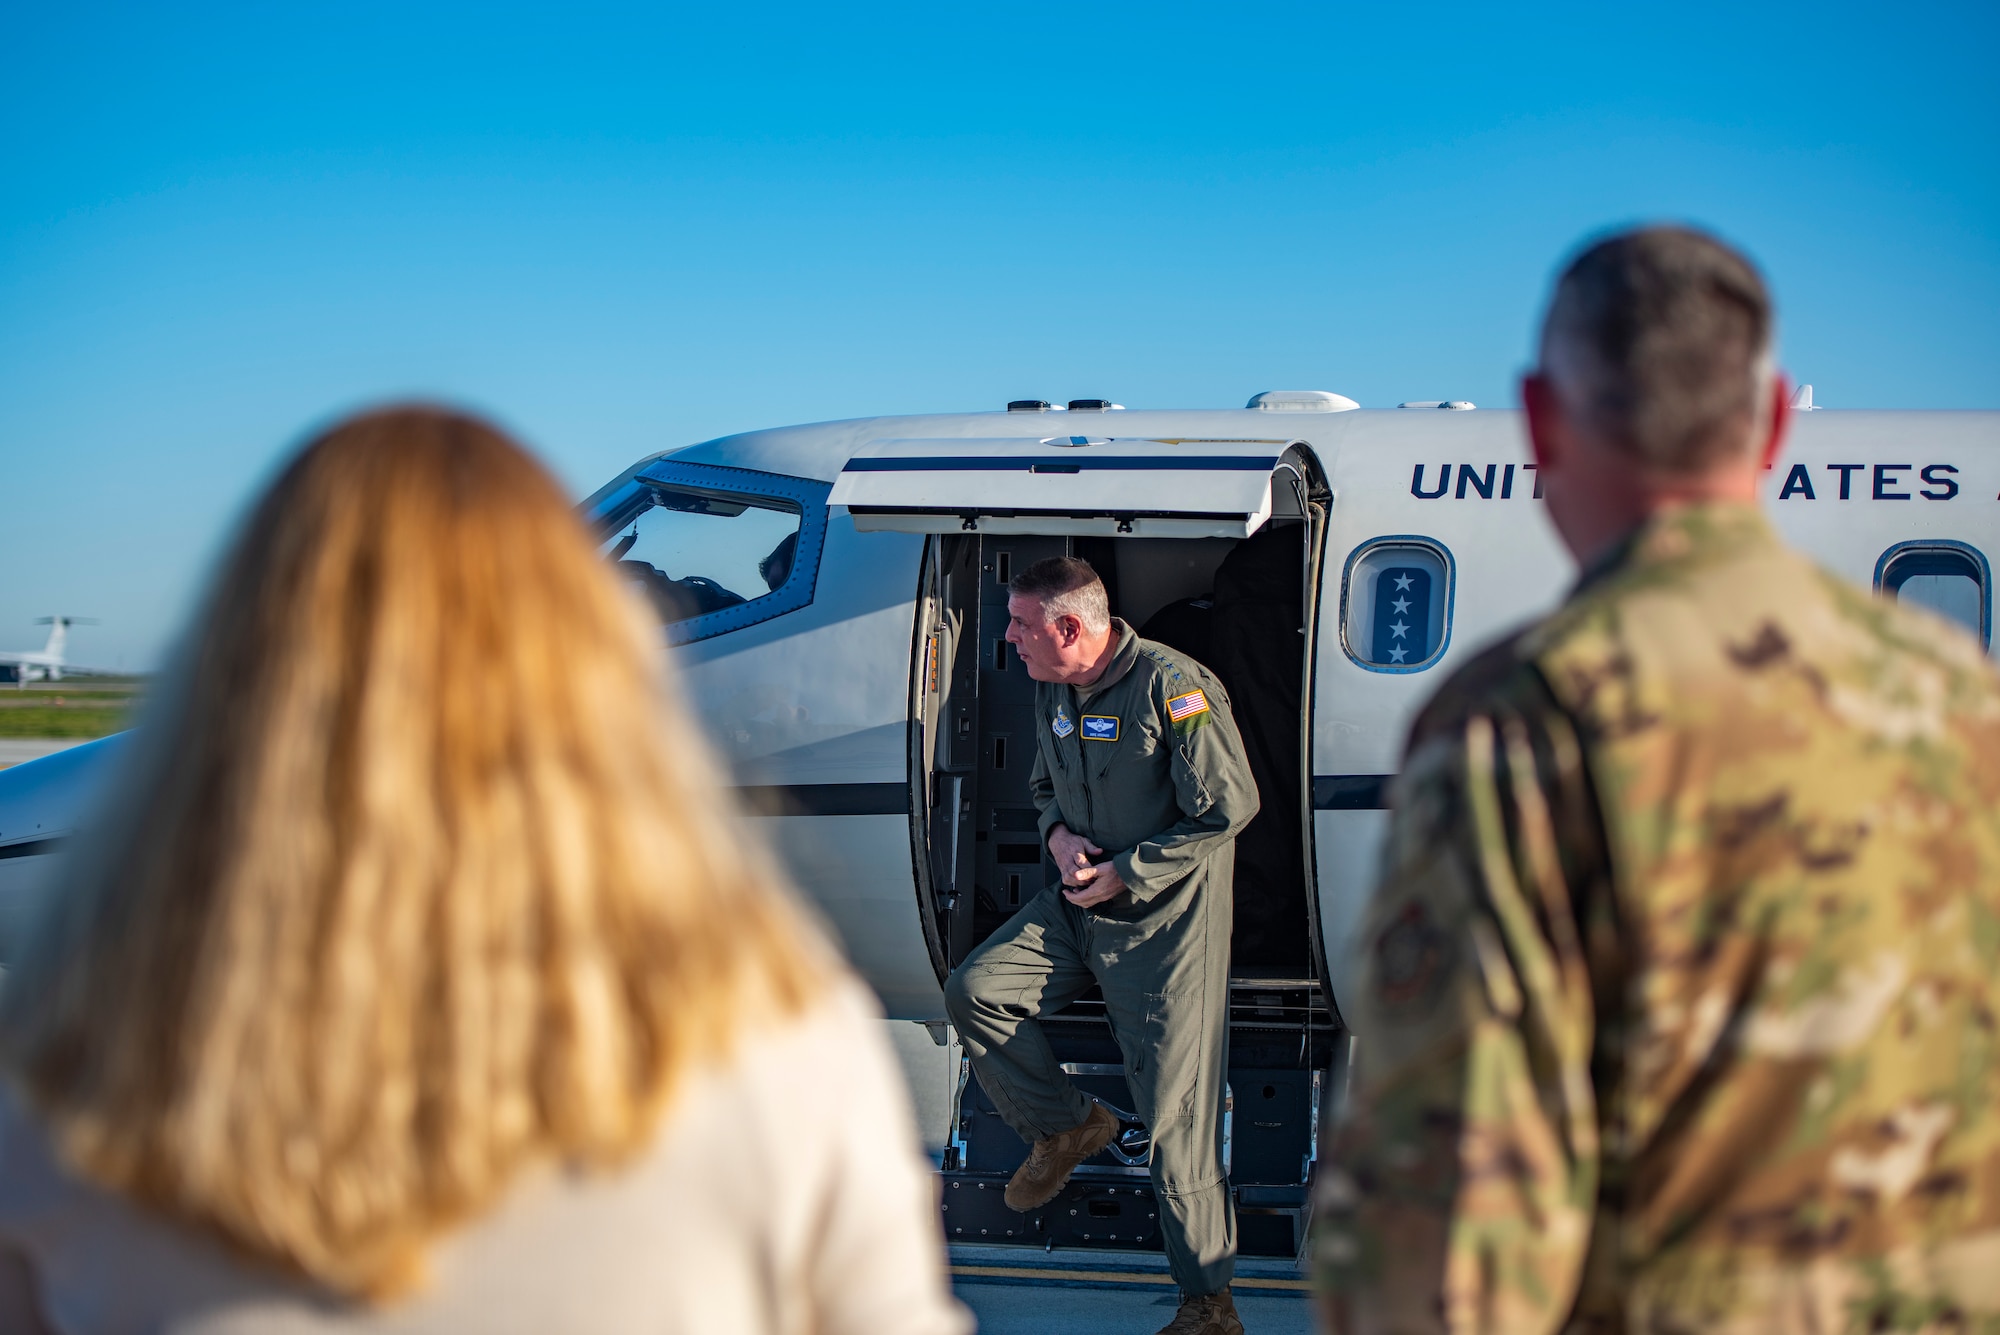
(1658, 340)
(1065, 586)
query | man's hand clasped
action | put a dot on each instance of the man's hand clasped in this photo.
(1085, 883)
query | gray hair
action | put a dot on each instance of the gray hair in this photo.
(1065, 586)
(1659, 340)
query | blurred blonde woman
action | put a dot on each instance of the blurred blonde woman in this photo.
(417, 978)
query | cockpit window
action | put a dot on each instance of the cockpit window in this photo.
(1949, 578)
(713, 549)
(691, 553)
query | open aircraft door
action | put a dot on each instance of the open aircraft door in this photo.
(1069, 485)
(1213, 547)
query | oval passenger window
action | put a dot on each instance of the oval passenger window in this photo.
(1396, 604)
(1949, 578)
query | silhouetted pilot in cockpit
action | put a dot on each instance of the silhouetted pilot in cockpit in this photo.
(679, 599)
(777, 567)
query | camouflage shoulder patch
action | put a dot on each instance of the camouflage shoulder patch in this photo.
(1410, 958)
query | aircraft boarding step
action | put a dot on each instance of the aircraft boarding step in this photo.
(1270, 1143)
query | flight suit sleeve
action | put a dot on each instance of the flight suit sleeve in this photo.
(1042, 792)
(1462, 1180)
(1212, 787)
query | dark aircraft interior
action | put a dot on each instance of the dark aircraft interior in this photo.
(1243, 608)
(1236, 606)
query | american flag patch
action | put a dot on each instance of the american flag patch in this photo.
(1186, 706)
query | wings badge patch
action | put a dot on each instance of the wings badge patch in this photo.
(1100, 727)
(1184, 707)
(1060, 725)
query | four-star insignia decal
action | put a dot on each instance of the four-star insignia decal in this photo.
(1402, 619)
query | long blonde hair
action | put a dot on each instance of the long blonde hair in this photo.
(417, 873)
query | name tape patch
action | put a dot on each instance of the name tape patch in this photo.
(1100, 727)
(1183, 707)
(1060, 725)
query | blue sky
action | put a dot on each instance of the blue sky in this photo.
(619, 229)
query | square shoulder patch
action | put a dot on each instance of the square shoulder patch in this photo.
(1100, 727)
(1184, 708)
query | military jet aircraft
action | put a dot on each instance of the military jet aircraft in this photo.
(47, 664)
(836, 593)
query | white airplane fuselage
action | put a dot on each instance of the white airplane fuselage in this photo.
(819, 698)
(853, 681)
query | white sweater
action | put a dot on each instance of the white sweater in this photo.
(786, 1193)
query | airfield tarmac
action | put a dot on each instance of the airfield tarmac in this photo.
(1027, 1291)
(20, 750)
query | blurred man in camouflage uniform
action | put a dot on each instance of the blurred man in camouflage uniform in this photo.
(1676, 1002)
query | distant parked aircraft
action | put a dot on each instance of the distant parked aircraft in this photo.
(27, 665)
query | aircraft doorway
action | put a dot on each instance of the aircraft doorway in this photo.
(1239, 594)
(1212, 546)
(1238, 606)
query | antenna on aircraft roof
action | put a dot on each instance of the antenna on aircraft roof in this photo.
(1301, 401)
(1802, 400)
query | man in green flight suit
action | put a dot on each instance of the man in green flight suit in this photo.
(1143, 786)
(1676, 1002)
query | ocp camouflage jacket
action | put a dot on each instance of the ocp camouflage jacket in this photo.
(1676, 1001)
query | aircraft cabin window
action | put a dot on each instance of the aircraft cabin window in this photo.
(710, 559)
(1396, 604)
(1949, 578)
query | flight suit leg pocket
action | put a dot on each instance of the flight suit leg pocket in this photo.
(1183, 1090)
(1173, 1038)
(1166, 1057)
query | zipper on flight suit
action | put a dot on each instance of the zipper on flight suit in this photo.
(1115, 749)
(1082, 769)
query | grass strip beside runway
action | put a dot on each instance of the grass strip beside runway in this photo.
(68, 722)
(67, 711)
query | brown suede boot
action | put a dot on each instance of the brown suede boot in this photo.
(1211, 1314)
(1054, 1158)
